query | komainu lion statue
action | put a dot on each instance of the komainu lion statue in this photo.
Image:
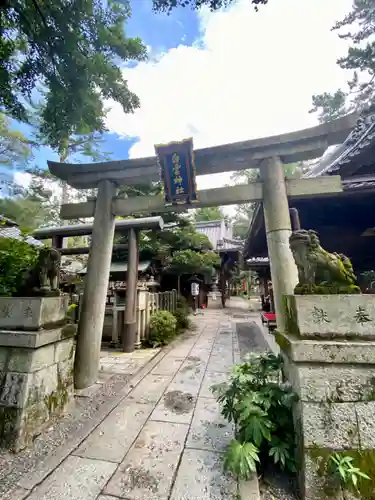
(318, 270)
(43, 277)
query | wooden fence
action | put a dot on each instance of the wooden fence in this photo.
(147, 304)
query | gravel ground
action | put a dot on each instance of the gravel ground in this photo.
(12, 466)
(275, 485)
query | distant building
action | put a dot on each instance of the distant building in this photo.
(10, 229)
(220, 234)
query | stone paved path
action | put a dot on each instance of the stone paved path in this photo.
(164, 439)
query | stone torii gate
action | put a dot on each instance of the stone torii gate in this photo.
(92, 313)
(268, 154)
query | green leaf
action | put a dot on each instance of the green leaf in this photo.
(363, 475)
(240, 459)
(256, 427)
(354, 480)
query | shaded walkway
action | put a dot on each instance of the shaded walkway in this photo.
(163, 439)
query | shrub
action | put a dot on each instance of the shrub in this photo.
(162, 328)
(261, 408)
(16, 256)
(182, 317)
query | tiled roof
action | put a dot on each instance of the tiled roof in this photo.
(15, 232)
(361, 138)
(358, 184)
(229, 243)
(7, 222)
(260, 260)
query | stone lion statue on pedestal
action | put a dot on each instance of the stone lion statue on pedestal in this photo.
(42, 278)
(320, 271)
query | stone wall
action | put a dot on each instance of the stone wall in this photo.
(36, 381)
(334, 376)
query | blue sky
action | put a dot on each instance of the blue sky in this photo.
(226, 76)
(161, 32)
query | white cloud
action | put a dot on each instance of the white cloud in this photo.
(249, 75)
(22, 179)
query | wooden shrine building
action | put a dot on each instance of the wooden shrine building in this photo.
(345, 220)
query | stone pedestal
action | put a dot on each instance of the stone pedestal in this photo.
(32, 313)
(36, 368)
(329, 355)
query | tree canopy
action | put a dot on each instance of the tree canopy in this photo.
(169, 5)
(329, 106)
(27, 212)
(189, 262)
(162, 244)
(208, 213)
(244, 212)
(360, 31)
(180, 236)
(15, 148)
(73, 49)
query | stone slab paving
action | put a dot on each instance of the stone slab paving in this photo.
(115, 435)
(200, 477)
(164, 439)
(148, 469)
(76, 479)
(125, 363)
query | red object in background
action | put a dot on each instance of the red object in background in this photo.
(203, 306)
(270, 316)
(244, 286)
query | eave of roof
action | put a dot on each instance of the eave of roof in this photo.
(14, 232)
(360, 139)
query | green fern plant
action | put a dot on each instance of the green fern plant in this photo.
(240, 459)
(342, 467)
(260, 406)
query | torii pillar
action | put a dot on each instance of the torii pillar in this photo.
(284, 273)
(90, 326)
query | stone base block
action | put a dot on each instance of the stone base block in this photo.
(331, 316)
(335, 382)
(36, 383)
(32, 313)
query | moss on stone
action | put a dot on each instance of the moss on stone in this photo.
(331, 289)
(283, 342)
(290, 315)
(9, 423)
(71, 352)
(370, 396)
(363, 459)
(68, 330)
(57, 400)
